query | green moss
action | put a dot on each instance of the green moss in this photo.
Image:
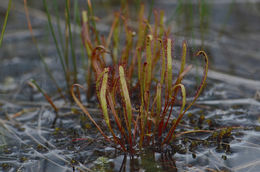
(5, 166)
(41, 148)
(73, 162)
(56, 131)
(87, 126)
(257, 128)
(23, 159)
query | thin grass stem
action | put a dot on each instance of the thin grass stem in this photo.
(39, 52)
(5, 21)
(74, 60)
(47, 97)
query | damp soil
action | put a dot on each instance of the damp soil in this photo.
(220, 133)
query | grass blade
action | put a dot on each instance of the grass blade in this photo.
(47, 97)
(40, 54)
(92, 19)
(74, 60)
(56, 42)
(5, 21)
(58, 24)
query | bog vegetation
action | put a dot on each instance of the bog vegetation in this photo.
(134, 80)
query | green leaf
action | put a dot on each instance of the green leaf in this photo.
(102, 97)
(126, 97)
(169, 65)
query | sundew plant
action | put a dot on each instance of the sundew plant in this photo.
(137, 91)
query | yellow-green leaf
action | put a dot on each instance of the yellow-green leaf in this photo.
(126, 97)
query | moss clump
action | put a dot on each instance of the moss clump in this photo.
(23, 159)
(41, 148)
(224, 157)
(5, 166)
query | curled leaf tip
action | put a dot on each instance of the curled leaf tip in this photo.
(201, 52)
